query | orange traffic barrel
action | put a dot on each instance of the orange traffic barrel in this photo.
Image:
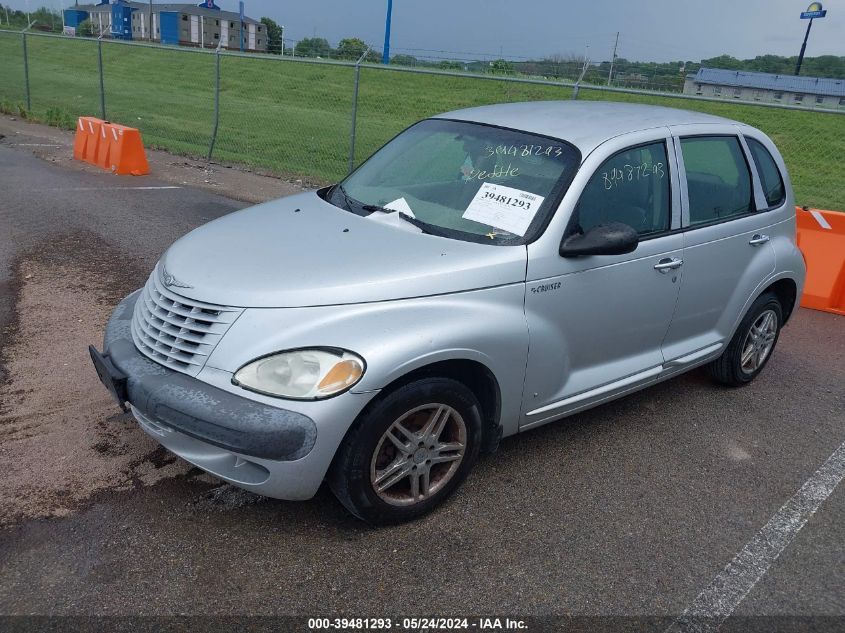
(821, 238)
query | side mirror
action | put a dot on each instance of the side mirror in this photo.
(606, 239)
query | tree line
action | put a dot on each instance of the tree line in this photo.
(45, 19)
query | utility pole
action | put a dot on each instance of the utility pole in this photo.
(613, 59)
(151, 20)
(282, 38)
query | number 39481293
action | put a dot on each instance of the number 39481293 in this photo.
(507, 200)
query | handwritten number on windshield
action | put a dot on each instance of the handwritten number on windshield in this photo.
(629, 173)
(524, 150)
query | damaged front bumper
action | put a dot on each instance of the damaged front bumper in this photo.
(263, 448)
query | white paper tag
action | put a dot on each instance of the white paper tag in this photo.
(503, 207)
(400, 204)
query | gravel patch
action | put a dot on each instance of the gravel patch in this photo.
(62, 438)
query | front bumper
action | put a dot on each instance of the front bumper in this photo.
(263, 448)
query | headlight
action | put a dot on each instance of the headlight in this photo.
(302, 374)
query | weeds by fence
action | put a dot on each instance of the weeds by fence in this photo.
(295, 116)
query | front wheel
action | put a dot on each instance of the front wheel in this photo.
(752, 345)
(408, 451)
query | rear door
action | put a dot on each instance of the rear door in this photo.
(727, 254)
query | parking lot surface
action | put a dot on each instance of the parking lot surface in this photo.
(631, 509)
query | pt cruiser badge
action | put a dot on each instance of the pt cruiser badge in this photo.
(379, 334)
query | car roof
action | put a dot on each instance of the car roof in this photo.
(585, 124)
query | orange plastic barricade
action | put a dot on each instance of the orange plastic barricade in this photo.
(80, 141)
(87, 139)
(103, 147)
(821, 238)
(126, 151)
(113, 147)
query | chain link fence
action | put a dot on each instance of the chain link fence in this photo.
(314, 119)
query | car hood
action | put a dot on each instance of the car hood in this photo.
(302, 251)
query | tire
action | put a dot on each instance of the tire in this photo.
(729, 368)
(368, 455)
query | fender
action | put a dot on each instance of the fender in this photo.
(397, 337)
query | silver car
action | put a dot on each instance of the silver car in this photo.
(485, 272)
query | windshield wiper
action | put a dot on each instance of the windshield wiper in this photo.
(374, 208)
(425, 227)
(350, 203)
(441, 231)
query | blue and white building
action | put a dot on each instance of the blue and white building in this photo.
(744, 85)
(205, 24)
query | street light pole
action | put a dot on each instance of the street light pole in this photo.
(385, 57)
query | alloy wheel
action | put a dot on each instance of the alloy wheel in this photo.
(759, 341)
(418, 454)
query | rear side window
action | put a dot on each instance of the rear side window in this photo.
(769, 173)
(631, 187)
(718, 180)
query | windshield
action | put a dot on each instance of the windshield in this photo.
(464, 180)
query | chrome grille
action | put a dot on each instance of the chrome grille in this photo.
(177, 332)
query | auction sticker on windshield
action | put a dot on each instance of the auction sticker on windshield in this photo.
(504, 208)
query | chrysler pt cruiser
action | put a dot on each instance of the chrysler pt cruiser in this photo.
(485, 272)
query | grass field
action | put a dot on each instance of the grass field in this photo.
(294, 118)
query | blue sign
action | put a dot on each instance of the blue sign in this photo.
(809, 15)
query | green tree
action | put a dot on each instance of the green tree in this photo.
(274, 35)
(724, 61)
(87, 28)
(501, 67)
(45, 17)
(313, 47)
(351, 48)
(12, 17)
(404, 60)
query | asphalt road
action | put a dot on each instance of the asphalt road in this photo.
(627, 510)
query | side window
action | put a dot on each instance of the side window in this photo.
(718, 180)
(769, 173)
(631, 187)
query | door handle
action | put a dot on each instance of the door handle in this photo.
(757, 239)
(668, 263)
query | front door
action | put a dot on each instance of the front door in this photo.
(597, 324)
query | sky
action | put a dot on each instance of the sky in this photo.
(650, 30)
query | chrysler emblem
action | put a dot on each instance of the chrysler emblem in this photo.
(170, 280)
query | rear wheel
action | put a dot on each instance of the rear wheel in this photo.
(752, 345)
(408, 451)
